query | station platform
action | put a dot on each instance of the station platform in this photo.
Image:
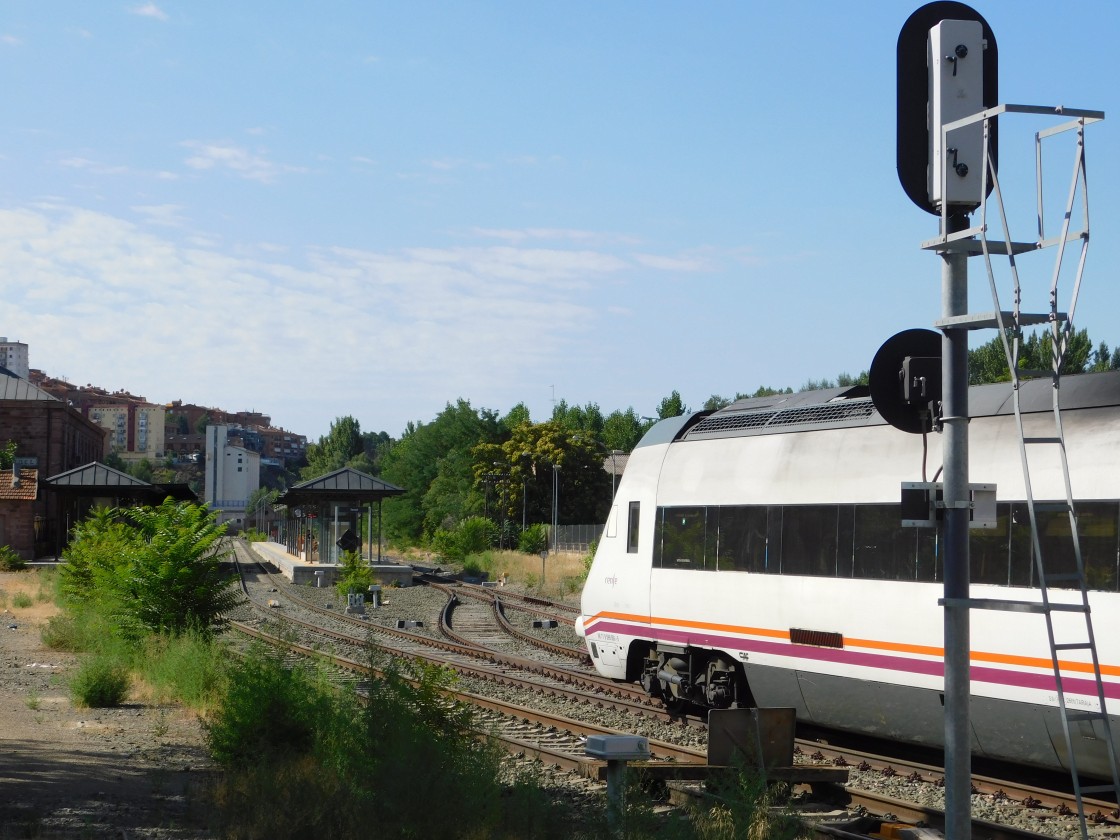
(303, 573)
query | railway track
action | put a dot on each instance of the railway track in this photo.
(469, 659)
(520, 725)
(483, 658)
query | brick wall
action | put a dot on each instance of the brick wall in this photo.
(60, 439)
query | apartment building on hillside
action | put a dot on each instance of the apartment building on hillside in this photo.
(135, 428)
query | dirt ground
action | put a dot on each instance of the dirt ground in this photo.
(133, 772)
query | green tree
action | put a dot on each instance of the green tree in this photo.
(988, 362)
(201, 423)
(517, 415)
(116, 462)
(847, 380)
(526, 461)
(623, 429)
(767, 391)
(577, 418)
(671, 406)
(175, 582)
(716, 402)
(426, 451)
(141, 469)
(335, 449)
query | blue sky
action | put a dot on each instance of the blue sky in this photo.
(375, 208)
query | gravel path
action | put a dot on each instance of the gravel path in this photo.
(91, 773)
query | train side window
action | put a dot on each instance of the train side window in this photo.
(1100, 544)
(741, 541)
(809, 537)
(684, 538)
(632, 529)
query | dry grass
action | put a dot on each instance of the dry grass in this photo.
(564, 572)
(26, 595)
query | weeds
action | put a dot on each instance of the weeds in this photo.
(22, 600)
(334, 766)
(100, 682)
(10, 561)
(187, 667)
(33, 701)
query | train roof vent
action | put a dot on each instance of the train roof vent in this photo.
(819, 414)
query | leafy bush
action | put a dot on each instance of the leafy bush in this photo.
(476, 534)
(269, 712)
(354, 575)
(533, 540)
(473, 535)
(445, 544)
(100, 682)
(150, 569)
(10, 561)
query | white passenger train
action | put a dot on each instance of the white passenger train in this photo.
(755, 555)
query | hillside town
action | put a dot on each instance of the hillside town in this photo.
(60, 442)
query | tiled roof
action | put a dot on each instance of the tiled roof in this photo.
(26, 491)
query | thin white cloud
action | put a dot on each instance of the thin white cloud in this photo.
(518, 235)
(10, 40)
(333, 330)
(448, 164)
(96, 167)
(678, 264)
(163, 215)
(150, 10)
(252, 166)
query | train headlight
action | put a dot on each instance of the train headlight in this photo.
(581, 631)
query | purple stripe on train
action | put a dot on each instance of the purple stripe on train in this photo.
(889, 662)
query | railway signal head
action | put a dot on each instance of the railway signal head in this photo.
(905, 380)
(946, 70)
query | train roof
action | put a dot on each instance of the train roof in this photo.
(834, 408)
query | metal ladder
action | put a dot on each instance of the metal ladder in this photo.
(1010, 325)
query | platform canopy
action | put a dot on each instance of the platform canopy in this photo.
(81, 488)
(327, 510)
(341, 485)
(97, 480)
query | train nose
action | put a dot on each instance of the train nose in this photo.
(581, 631)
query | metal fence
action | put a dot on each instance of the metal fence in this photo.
(576, 537)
